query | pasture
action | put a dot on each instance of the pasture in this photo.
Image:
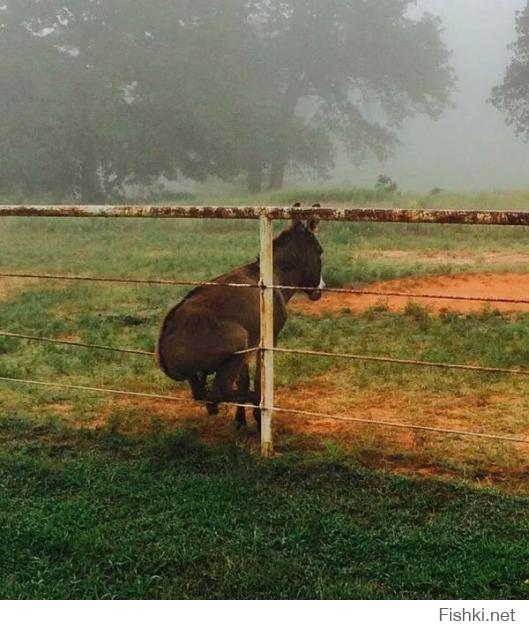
(122, 497)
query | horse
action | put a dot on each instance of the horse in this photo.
(212, 329)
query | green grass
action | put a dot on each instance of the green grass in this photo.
(200, 249)
(162, 516)
(120, 512)
(363, 196)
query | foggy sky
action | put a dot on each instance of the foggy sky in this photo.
(470, 147)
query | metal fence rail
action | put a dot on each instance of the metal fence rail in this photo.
(265, 216)
(274, 213)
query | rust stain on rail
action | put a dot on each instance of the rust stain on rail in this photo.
(376, 215)
(403, 215)
(153, 212)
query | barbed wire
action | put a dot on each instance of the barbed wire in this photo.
(311, 414)
(197, 283)
(315, 415)
(154, 281)
(400, 425)
(64, 342)
(314, 353)
(119, 392)
(411, 362)
(423, 296)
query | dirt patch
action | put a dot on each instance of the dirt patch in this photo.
(10, 286)
(404, 451)
(484, 285)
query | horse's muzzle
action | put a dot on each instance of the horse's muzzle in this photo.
(315, 295)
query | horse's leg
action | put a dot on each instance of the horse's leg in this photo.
(225, 384)
(198, 384)
(242, 395)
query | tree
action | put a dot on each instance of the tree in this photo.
(350, 71)
(51, 140)
(89, 104)
(304, 75)
(512, 96)
(97, 95)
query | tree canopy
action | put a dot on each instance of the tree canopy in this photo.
(512, 96)
(98, 95)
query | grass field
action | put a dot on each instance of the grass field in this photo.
(104, 497)
(102, 515)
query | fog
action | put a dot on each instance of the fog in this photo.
(470, 147)
(100, 103)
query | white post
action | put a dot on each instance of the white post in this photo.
(266, 355)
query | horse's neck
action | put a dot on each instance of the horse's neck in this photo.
(287, 278)
(282, 277)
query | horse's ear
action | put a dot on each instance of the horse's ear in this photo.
(312, 224)
(294, 222)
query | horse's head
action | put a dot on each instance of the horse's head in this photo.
(297, 254)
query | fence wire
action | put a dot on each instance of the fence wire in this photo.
(299, 412)
(153, 281)
(400, 425)
(313, 353)
(64, 342)
(410, 362)
(79, 344)
(197, 283)
(119, 392)
(423, 296)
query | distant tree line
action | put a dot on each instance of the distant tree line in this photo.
(99, 95)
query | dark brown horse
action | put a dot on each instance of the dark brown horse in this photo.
(202, 335)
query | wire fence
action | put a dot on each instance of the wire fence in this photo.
(310, 353)
(266, 350)
(198, 283)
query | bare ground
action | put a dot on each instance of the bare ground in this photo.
(483, 285)
(403, 451)
(10, 286)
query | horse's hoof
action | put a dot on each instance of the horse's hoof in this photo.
(240, 420)
(242, 427)
(213, 409)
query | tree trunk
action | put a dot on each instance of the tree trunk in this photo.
(255, 174)
(279, 166)
(281, 148)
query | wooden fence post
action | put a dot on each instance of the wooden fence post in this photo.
(266, 355)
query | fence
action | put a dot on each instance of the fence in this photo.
(266, 349)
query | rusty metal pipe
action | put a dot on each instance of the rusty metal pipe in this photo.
(373, 215)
